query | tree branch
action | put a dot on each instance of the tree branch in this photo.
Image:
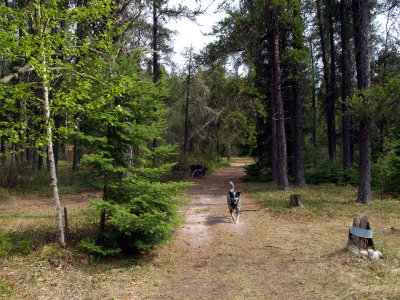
(22, 70)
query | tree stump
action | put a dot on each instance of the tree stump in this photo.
(295, 200)
(362, 234)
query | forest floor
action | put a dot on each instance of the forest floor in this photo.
(268, 255)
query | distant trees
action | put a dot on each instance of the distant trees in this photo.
(89, 73)
(335, 40)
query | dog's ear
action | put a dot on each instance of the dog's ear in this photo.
(231, 195)
(237, 194)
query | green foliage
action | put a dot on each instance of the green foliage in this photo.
(387, 169)
(256, 173)
(124, 113)
(377, 101)
(89, 245)
(142, 213)
(331, 172)
(5, 288)
(5, 245)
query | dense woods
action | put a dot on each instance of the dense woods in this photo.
(310, 89)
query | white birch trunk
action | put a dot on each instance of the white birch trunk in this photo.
(52, 165)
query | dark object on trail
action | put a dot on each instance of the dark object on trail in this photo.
(295, 201)
(195, 167)
(360, 234)
(199, 172)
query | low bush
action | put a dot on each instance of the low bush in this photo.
(330, 171)
(256, 173)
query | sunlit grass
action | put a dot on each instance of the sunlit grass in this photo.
(321, 200)
(27, 182)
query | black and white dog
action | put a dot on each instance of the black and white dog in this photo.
(195, 167)
(197, 170)
(233, 200)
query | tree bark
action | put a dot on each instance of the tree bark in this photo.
(274, 146)
(298, 151)
(282, 180)
(332, 88)
(327, 78)
(53, 175)
(361, 16)
(313, 102)
(186, 124)
(156, 55)
(360, 242)
(346, 83)
(156, 67)
(295, 201)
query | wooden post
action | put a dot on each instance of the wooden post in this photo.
(295, 200)
(361, 242)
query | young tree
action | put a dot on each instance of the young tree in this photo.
(39, 46)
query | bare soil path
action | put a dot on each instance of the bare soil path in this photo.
(266, 256)
(213, 258)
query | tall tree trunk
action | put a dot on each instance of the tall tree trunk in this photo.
(361, 17)
(156, 67)
(56, 143)
(186, 129)
(313, 101)
(346, 82)
(53, 174)
(274, 146)
(298, 151)
(332, 87)
(282, 181)
(322, 35)
(156, 55)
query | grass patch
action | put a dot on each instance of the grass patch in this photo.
(5, 288)
(28, 182)
(321, 200)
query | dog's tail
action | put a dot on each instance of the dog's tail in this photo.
(231, 186)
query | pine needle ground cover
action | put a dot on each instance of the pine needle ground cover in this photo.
(286, 253)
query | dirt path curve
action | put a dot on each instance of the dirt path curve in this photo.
(213, 258)
(266, 256)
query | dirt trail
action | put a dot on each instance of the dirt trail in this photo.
(266, 256)
(213, 258)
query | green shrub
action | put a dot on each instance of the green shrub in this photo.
(144, 216)
(330, 171)
(5, 245)
(24, 247)
(5, 288)
(256, 173)
(387, 169)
